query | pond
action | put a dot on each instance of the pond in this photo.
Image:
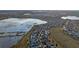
(70, 17)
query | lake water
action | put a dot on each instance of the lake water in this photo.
(11, 26)
(70, 17)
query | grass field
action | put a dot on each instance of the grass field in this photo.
(62, 39)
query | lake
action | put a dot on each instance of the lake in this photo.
(12, 29)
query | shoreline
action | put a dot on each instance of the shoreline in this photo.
(23, 43)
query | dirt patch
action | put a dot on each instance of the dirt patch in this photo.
(62, 39)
